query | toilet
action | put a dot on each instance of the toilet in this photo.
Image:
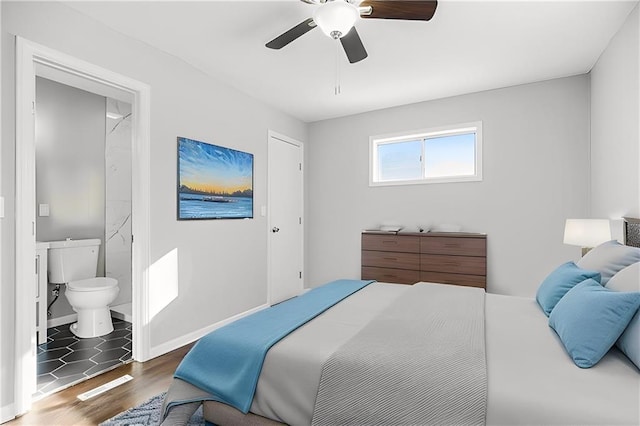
(74, 263)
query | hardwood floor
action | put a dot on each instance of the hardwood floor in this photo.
(63, 408)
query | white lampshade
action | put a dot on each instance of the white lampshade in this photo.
(336, 18)
(586, 232)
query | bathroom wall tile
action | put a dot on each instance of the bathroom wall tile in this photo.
(119, 267)
(118, 226)
(118, 107)
(118, 151)
(118, 155)
(118, 174)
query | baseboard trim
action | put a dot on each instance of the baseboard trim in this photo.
(67, 319)
(191, 337)
(121, 316)
(122, 312)
(7, 412)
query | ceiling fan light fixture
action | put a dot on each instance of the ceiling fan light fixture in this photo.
(336, 18)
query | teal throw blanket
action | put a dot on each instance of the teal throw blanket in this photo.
(227, 362)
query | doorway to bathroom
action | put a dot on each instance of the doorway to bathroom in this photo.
(47, 205)
(83, 154)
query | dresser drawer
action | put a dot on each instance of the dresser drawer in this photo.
(440, 257)
(399, 243)
(398, 276)
(454, 246)
(385, 259)
(458, 279)
(453, 264)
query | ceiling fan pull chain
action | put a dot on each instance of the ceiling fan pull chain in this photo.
(337, 82)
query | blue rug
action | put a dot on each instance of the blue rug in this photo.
(148, 414)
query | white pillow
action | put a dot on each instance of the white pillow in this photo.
(627, 280)
(609, 258)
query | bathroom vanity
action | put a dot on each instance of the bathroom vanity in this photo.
(41, 291)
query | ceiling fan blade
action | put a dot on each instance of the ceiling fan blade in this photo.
(353, 46)
(415, 10)
(288, 36)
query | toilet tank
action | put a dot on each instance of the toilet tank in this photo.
(72, 260)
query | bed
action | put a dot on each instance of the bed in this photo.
(522, 372)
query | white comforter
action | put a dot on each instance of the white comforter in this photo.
(531, 379)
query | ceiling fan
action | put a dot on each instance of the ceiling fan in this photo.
(336, 18)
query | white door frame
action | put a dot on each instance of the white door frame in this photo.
(299, 144)
(28, 54)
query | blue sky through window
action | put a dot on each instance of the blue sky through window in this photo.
(450, 156)
(400, 160)
(444, 156)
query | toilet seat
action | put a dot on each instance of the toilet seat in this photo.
(93, 284)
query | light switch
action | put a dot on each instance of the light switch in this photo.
(263, 210)
(43, 210)
(1, 207)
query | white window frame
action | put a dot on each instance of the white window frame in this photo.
(451, 130)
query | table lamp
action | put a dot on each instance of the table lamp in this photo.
(586, 233)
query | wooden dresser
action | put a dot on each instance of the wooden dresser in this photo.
(407, 258)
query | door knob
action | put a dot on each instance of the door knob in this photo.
(275, 229)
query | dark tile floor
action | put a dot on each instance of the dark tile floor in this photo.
(66, 359)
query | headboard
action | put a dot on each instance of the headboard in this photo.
(632, 231)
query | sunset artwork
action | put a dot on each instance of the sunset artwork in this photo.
(214, 182)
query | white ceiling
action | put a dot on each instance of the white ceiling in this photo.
(468, 46)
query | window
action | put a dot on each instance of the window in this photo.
(447, 154)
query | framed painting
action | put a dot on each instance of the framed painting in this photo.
(214, 182)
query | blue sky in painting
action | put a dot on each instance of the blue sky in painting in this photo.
(214, 168)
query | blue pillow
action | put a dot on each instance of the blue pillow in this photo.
(590, 318)
(629, 342)
(559, 282)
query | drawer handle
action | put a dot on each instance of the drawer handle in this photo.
(393, 259)
(450, 264)
(389, 242)
(451, 245)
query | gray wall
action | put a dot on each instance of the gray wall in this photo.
(615, 126)
(535, 167)
(535, 173)
(219, 267)
(70, 168)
